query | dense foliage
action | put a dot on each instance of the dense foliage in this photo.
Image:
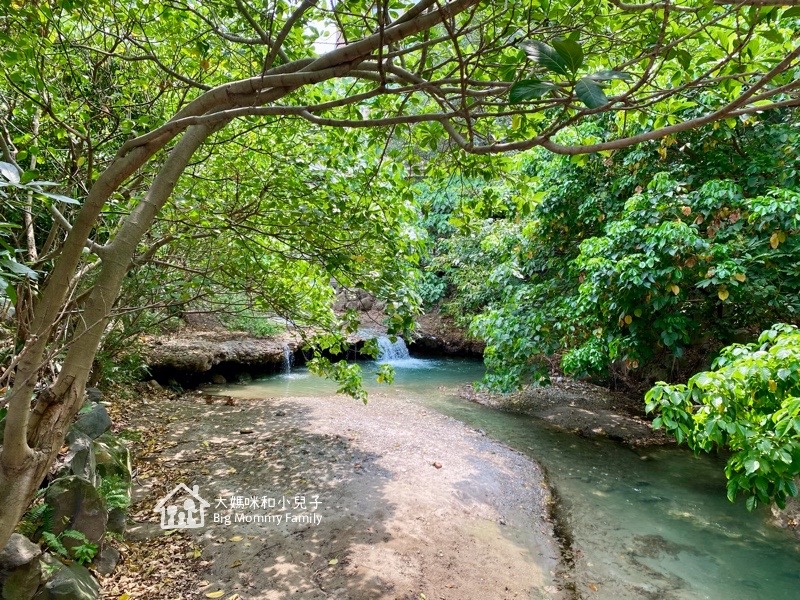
(621, 263)
(749, 404)
(200, 146)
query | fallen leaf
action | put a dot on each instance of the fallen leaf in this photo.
(236, 538)
(123, 597)
(593, 587)
(333, 561)
(234, 564)
(218, 594)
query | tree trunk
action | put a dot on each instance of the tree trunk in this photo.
(34, 437)
(34, 434)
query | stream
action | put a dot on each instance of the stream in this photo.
(644, 523)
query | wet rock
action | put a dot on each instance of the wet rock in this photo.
(68, 582)
(202, 352)
(218, 379)
(76, 504)
(154, 385)
(93, 423)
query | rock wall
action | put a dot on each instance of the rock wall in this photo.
(199, 357)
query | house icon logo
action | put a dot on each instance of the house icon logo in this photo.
(182, 508)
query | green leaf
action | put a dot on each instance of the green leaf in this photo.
(10, 290)
(751, 503)
(58, 197)
(571, 52)
(610, 75)
(751, 466)
(18, 268)
(528, 89)
(546, 56)
(590, 93)
(791, 12)
(9, 171)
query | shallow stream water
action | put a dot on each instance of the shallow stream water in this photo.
(645, 523)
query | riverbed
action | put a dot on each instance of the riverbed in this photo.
(636, 523)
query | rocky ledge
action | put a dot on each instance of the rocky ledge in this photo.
(437, 334)
(197, 356)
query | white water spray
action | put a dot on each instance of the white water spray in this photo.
(388, 350)
(288, 360)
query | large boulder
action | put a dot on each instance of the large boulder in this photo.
(20, 573)
(22, 582)
(18, 551)
(67, 582)
(94, 422)
(76, 504)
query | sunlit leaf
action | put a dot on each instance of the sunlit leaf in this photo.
(571, 52)
(528, 89)
(590, 93)
(9, 171)
(610, 76)
(546, 56)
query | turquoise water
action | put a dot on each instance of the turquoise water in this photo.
(646, 523)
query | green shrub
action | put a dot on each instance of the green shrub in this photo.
(749, 404)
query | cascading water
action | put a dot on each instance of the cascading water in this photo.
(390, 351)
(288, 360)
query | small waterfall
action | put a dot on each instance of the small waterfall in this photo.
(388, 350)
(288, 360)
